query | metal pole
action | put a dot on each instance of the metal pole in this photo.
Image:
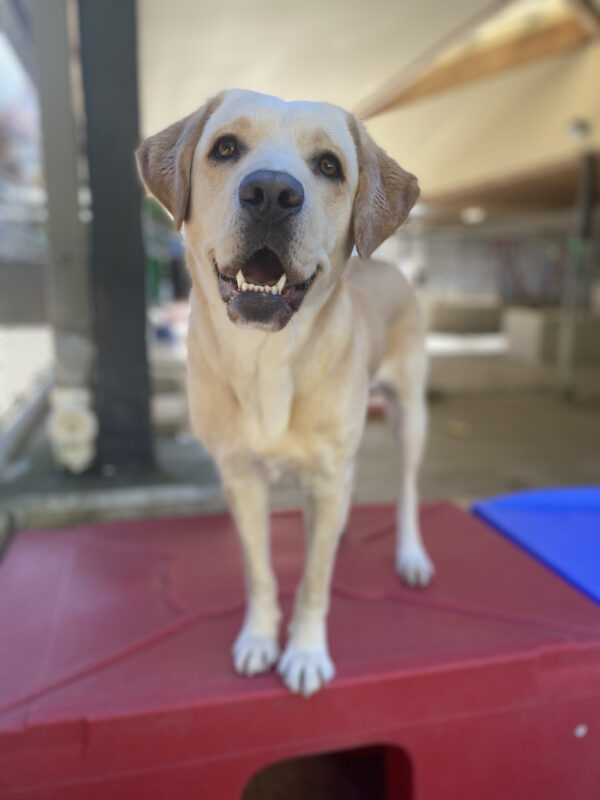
(108, 57)
(72, 424)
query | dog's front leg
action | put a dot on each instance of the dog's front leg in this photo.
(256, 649)
(305, 665)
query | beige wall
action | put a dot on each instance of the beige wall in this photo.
(504, 125)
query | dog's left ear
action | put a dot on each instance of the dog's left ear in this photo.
(386, 192)
(165, 160)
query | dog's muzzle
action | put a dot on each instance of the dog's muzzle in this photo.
(260, 293)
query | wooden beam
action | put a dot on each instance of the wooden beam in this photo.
(544, 187)
(490, 60)
(386, 94)
(524, 48)
(541, 190)
(587, 15)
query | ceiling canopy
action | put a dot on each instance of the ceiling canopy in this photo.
(340, 51)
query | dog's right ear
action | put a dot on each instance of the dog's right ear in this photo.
(165, 160)
(386, 192)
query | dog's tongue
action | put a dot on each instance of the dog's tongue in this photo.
(263, 268)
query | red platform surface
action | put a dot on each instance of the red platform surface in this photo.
(116, 679)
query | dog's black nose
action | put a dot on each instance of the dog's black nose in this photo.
(270, 195)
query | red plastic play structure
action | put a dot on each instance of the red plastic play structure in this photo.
(116, 680)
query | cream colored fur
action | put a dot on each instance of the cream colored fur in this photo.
(264, 402)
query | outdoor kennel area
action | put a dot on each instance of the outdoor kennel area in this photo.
(121, 581)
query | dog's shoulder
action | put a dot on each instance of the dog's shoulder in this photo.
(384, 286)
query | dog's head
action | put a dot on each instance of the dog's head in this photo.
(274, 195)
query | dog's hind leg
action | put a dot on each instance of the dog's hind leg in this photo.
(256, 648)
(402, 381)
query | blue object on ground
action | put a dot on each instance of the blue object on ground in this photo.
(559, 527)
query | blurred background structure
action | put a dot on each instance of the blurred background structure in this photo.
(494, 105)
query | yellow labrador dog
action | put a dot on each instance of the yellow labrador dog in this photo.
(287, 333)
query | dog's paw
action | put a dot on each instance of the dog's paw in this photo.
(305, 671)
(253, 654)
(414, 566)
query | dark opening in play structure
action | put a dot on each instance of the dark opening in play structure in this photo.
(368, 773)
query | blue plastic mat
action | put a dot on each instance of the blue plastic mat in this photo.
(560, 527)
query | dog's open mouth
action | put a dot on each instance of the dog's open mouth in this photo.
(260, 292)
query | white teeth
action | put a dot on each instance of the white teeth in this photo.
(244, 286)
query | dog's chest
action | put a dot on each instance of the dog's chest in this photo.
(262, 384)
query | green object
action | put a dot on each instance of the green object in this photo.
(157, 227)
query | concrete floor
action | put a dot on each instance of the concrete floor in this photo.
(481, 445)
(23, 295)
(478, 445)
(25, 362)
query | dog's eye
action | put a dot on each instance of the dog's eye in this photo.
(330, 166)
(225, 147)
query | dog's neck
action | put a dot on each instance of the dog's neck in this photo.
(266, 371)
(255, 365)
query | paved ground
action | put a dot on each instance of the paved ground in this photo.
(25, 362)
(479, 445)
(25, 336)
(23, 294)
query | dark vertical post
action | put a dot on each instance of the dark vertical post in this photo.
(587, 194)
(577, 282)
(108, 58)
